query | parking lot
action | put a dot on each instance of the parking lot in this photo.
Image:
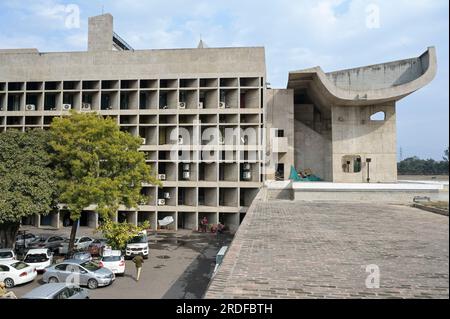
(180, 266)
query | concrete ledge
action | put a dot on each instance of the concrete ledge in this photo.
(343, 187)
(432, 209)
(402, 193)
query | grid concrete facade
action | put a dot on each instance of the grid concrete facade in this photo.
(199, 113)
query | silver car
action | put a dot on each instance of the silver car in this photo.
(83, 273)
(57, 291)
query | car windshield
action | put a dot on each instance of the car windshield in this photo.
(90, 266)
(36, 258)
(6, 254)
(19, 265)
(111, 258)
(138, 239)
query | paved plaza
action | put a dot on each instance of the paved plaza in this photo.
(288, 249)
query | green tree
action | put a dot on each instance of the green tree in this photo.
(97, 164)
(445, 158)
(119, 234)
(27, 180)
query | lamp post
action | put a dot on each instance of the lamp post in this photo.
(368, 160)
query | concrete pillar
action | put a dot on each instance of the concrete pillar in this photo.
(93, 220)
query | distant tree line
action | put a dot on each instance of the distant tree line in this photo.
(416, 166)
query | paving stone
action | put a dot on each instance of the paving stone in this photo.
(321, 249)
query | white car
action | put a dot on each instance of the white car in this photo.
(39, 258)
(114, 261)
(81, 243)
(25, 240)
(138, 245)
(14, 272)
(7, 254)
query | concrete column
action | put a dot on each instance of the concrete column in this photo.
(93, 220)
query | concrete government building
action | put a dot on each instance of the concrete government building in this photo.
(211, 129)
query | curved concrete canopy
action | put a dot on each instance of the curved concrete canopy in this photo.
(374, 84)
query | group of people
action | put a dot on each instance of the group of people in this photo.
(218, 229)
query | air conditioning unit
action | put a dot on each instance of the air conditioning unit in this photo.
(247, 175)
(86, 107)
(222, 105)
(200, 105)
(186, 175)
(161, 202)
(180, 141)
(30, 107)
(182, 105)
(162, 177)
(246, 167)
(144, 141)
(167, 195)
(186, 166)
(221, 141)
(67, 107)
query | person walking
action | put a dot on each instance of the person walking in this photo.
(204, 224)
(4, 293)
(138, 261)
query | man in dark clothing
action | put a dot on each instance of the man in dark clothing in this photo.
(138, 261)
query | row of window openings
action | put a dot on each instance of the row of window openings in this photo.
(132, 84)
(129, 101)
(205, 197)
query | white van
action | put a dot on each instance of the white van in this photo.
(138, 245)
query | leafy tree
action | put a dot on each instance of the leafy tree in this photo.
(417, 166)
(97, 164)
(119, 234)
(27, 180)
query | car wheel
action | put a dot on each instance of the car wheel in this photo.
(146, 257)
(53, 280)
(92, 284)
(9, 283)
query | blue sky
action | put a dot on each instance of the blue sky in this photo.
(296, 34)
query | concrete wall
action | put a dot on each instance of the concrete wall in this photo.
(313, 151)
(279, 115)
(145, 64)
(355, 134)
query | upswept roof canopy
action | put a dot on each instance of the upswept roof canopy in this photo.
(367, 85)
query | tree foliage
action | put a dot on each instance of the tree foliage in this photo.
(417, 166)
(97, 164)
(119, 234)
(27, 180)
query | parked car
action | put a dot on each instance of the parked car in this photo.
(114, 261)
(83, 256)
(40, 258)
(97, 247)
(25, 240)
(88, 273)
(7, 254)
(81, 243)
(14, 272)
(138, 245)
(57, 291)
(50, 242)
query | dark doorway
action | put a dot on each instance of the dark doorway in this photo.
(279, 173)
